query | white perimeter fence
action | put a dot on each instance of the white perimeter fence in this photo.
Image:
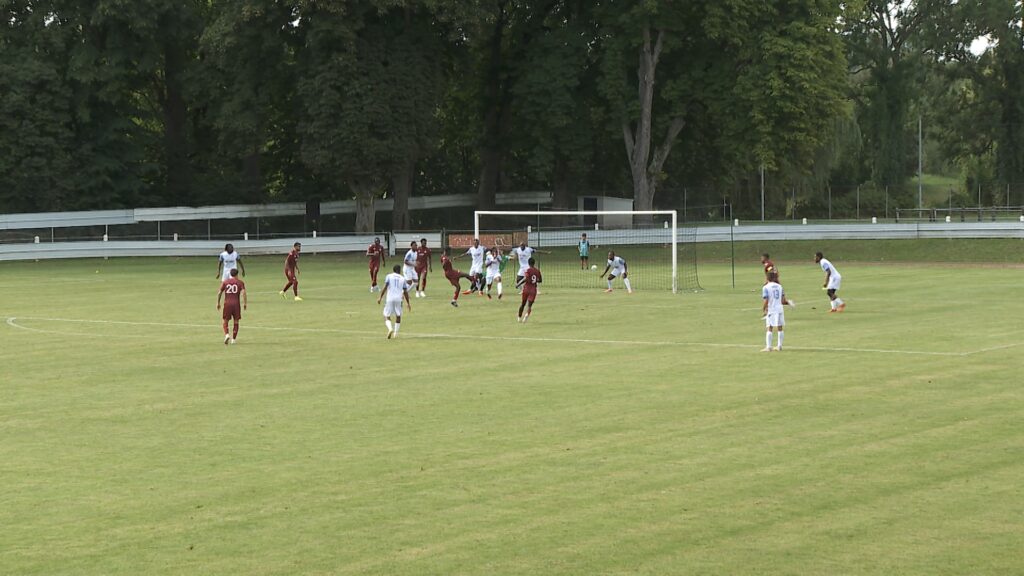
(398, 242)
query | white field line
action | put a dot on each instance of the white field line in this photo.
(12, 322)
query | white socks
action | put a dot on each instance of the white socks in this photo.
(839, 301)
(768, 339)
(626, 282)
(834, 303)
(609, 284)
(397, 326)
(499, 288)
(387, 322)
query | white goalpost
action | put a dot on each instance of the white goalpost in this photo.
(673, 232)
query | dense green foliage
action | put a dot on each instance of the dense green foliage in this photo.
(114, 103)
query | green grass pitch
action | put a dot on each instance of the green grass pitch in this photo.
(613, 434)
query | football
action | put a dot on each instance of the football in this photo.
(593, 267)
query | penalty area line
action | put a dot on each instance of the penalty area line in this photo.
(12, 322)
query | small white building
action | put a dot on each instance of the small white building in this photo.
(605, 203)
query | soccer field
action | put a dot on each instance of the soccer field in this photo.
(612, 434)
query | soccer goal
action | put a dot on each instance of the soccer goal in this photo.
(659, 255)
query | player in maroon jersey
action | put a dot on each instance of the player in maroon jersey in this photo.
(769, 267)
(291, 272)
(531, 278)
(454, 276)
(375, 254)
(424, 262)
(235, 300)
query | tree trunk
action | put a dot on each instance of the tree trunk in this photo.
(401, 187)
(645, 166)
(495, 95)
(252, 176)
(366, 214)
(179, 178)
(562, 195)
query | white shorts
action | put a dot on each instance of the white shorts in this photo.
(833, 282)
(392, 308)
(226, 275)
(521, 273)
(616, 272)
(775, 320)
(410, 274)
(491, 275)
(475, 270)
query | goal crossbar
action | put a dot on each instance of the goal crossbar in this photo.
(673, 213)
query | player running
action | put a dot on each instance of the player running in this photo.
(832, 281)
(409, 264)
(524, 253)
(493, 264)
(769, 267)
(396, 288)
(618, 268)
(424, 262)
(291, 272)
(229, 260)
(531, 280)
(454, 276)
(375, 256)
(773, 297)
(476, 268)
(235, 300)
(584, 247)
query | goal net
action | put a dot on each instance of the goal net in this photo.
(659, 255)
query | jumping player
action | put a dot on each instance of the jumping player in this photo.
(229, 260)
(493, 265)
(618, 268)
(832, 281)
(396, 288)
(409, 264)
(454, 276)
(291, 272)
(774, 298)
(232, 290)
(769, 267)
(476, 268)
(523, 253)
(375, 255)
(531, 278)
(424, 262)
(584, 247)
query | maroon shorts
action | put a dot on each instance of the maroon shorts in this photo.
(421, 271)
(529, 296)
(453, 279)
(232, 311)
(374, 266)
(290, 275)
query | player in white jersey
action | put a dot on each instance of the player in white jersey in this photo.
(396, 288)
(832, 282)
(476, 253)
(523, 253)
(229, 260)
(618, 268)
(493, 266)
(409, 264)
(774, 298)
